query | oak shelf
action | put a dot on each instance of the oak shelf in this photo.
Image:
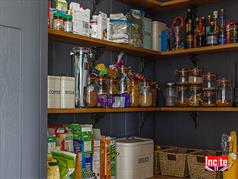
(151, 109)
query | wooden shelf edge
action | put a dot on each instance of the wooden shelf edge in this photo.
(152, 109)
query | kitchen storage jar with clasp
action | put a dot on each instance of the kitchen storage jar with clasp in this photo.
(134, 96)
(195, 96)
(209, 81)
(91, 92)
(170, 95)
(154, 89)
(209, 98)
(124, 84)
(182, 96)
(182, 76)
(58, 22)
(68, 24)
(195, 76)
(104, 99)
(113, 86)
(224, 93)
(145, 94)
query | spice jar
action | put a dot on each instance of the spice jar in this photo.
(154, 89)
(209, 98)
(224, 93)
(195, 96)
(103, 99)
(145, 94)
(68, 24)
(124, 84)
(195, 76)
(209, 81)
(134, 96)
(58, 22)
(113, 86)
(182, 96)
(91, 93)
(170, 95)
(182, 76)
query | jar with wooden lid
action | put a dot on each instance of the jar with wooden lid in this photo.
(182, 96)
(135, 94)
(154, 89)
(195, 96)
(113, 86)
(195, 76)
(209, 98)
(91, 92)
(146, 94)
(209, 81)
(224, 93)
(182, 76)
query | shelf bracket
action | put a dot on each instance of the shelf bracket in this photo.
(96, 116)
(194, 59)
(194, 116)
(142, 64)
(142, 116)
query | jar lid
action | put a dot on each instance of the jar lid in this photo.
(101, 78)
(210, 74)
(58, 15)
(182, 70)
(224, 80)
(170, 84)
(91, 77)
(113, 79)
(181, 87)
(67, 17)
(209, 92)
(195, 69)
(195, 87)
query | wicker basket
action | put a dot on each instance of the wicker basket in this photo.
(158, 148)
(196, 161)
(173, 162)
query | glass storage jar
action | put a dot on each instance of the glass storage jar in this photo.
(145, 94)
(170, 95)
(209, 81)
(224, 93)
(209, 98)
(154, 89)
(113, 86)
(124, 84)
(195, 76)
(103, 95)
(195, 96)
(91, 92)
(182, 76)
(134, 93)
(182, 96)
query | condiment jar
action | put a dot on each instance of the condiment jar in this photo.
(68, 24)
(113, 86)
(209, 81)
(58, 22)
(134, 96)
(91, 92)
(224, 93)
(182, 96)
(195, 96)
(145, 94)
(182, 76)
(209, 98)
(124, 84)
(170, 95)
(154, 89)
(195, 76)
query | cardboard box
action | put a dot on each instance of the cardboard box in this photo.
(54, 92)
(67, 92)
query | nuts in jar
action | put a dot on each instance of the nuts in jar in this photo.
(195, 96)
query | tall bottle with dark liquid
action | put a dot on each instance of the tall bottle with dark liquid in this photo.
(200, 37)
(208, 28)
(189, 29)
(222, 29)
(196, 32)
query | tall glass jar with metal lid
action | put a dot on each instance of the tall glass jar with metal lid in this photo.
(170, 95)
(182, 96)
(224, 93)
(195, 96)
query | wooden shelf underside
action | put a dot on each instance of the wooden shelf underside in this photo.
(128, 110)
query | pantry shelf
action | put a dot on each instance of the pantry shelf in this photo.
(172, 5)
(93, 42)
(152, 109)
(202, 50)
(164, 177)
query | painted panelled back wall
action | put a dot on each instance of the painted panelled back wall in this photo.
(120, 124)
(177, 128)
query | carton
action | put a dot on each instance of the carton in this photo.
(102, 26)
(87, 137)
(67, 92)
(96, 158)
(54, 91)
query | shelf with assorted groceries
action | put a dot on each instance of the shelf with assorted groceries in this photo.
(80, 150)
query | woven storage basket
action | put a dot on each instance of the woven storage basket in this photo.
(173, 162)
(158, 148)
(196, 162)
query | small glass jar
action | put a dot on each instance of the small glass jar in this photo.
(182, 76)
(170, 95)
(58, 22)
(134, 93)
(68, 24)
(91, 93)
(195, 76)
(146, 94)
(209, 81)
(154, 89)
(103, 95)
(182, 96)
(113, 86)
(124, 84)
(209, 98)
(224, 93)
(195, 96)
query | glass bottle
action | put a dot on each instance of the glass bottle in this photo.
(134, 96)
(182, 96)
(189, 30)
(212, 38)
(145, 94)
(208, 27)
(170, 95)
(91, 92)
(224, 93)
(222, 32)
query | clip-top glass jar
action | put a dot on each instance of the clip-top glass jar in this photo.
(91, 92)
(154, 89)
(170, 95)
(209, 81)
(134, 93)
(103, 97)
(182, 76)
(182, 96)
(145, 94)
(209, 98)
(125, 84)
(113, 86)
(195, 76)
(195, 96)
(224, 93)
